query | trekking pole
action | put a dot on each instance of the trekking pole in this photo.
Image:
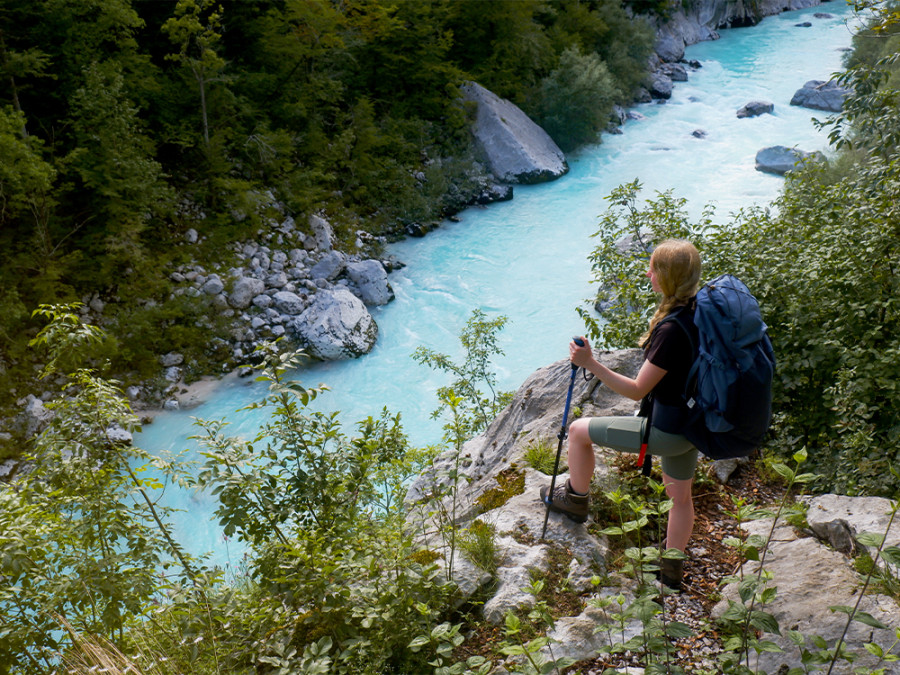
(562, 436)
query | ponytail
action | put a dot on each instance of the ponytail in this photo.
(676, 265)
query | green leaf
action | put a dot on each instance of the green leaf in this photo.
(859, 616)
(891, 555)
(767, 646)
(677, 629)
(418, 643)
(874, 649)
(870, 539)
(765, 622)
(796, 637)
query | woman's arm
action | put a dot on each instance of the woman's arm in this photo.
(647, 378)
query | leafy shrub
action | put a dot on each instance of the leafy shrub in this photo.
(576, 99)
(822, 264)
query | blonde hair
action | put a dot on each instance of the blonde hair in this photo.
(676, 266)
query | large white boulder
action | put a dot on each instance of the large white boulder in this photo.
(370, 279)
(819, 95)
(779, 159)
(516, 149)
(336, 325)
(244, 290)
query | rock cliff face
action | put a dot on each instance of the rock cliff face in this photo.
(703, 18)
(812, 567)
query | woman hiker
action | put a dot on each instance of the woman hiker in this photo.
(668, 354)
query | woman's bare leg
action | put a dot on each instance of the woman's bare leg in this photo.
(581, 456)
(681, 517)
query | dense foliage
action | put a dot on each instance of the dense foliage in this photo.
(822, 260)
(332, 580)
(124, 123)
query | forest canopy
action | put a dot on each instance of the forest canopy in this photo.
(125, 123)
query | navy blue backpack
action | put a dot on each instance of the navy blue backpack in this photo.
(729, 394)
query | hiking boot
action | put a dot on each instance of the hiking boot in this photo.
(567, 502)
(671, 573)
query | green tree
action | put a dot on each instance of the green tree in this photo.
(115, 161)
(472, 408)
(322, 512)
(195, 31)
(17, 67)
(627, 235)
(34, 239)
(576, 99)
(831, 307)
(82, 540)
(502, 45)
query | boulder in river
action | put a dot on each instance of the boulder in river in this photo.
(516, 149)
(820, 95)
(370, 279)
(661, 86)
(780, 159)
(754, 108)
(336, 325)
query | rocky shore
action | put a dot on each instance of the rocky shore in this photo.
(813, 563)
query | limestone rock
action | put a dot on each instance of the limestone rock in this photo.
(779, 159)
(514, 577)
(37, 416)
(213, 286)
(699, 21)
(289, 303)
(859, 514)
(118, 435)
(370, 278)
(323, 233)
(754, 108)
(577, 637)
(661, 86)
(674, 71)
(820, 95)
(245, 289)
(336, 325)
(517, 150)
(329, 266)
(810, 579)
(495, 192)
(535, 413)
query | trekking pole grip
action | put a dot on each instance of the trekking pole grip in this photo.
(578, 341)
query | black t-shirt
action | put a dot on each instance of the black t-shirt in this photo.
(670, 349)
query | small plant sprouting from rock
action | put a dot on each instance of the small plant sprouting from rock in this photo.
(540, 455)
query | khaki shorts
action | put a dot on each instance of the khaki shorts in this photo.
(679, 456)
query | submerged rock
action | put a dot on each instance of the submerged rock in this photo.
(754, 108)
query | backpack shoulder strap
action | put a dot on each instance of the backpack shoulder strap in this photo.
(678, 315)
